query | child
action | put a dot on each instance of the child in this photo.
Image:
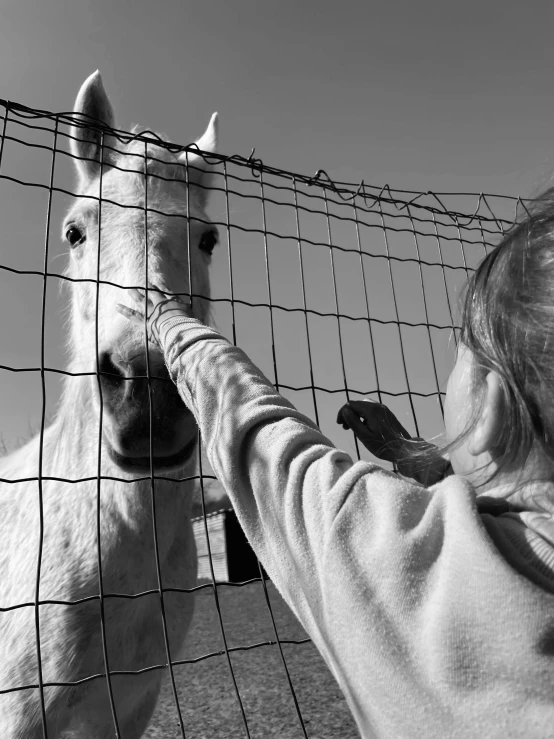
(433, 608)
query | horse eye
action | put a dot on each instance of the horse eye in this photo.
(208, 240)
(74, 236)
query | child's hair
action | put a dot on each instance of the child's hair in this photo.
(508, 325)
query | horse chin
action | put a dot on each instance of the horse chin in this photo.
(158, 463)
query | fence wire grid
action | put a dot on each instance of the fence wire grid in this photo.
(337, 291)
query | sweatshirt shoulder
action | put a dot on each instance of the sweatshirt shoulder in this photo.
(398, 524)
(407, 503)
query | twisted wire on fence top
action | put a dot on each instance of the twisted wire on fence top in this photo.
(363, 198)
(345, 190)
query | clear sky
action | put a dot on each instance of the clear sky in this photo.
(423, 96)
(428, 95)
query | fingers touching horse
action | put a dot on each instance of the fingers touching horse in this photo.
(108, 420)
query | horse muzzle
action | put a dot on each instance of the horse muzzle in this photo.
(146, 425)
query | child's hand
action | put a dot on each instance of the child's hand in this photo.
(159, 308)
(376, 427)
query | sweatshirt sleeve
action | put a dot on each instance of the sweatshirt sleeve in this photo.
(286, 480)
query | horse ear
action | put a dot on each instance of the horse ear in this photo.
(86, 144)
(200, 171)
(208, 140)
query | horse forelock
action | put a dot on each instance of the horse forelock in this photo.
(140, 155)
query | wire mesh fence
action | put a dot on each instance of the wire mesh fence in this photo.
(336, 291)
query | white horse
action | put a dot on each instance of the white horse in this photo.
(104, 419)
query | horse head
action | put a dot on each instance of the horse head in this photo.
(140, 216)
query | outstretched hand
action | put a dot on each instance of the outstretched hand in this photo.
(376, 427)
(157, 306)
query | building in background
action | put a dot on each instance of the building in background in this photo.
(233, 558)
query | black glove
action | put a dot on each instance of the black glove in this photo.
(376, 427)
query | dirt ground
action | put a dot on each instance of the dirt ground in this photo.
(207, 697)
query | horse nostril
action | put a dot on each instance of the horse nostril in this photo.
(110, 373)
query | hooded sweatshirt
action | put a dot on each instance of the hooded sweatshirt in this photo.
(435, 617)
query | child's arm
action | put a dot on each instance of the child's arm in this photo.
(286, 480)
(384, 436)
